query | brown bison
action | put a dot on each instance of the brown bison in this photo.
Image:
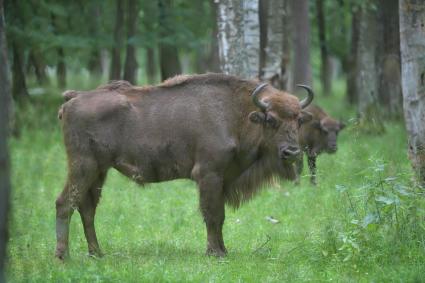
(227, 134)
(317, 136)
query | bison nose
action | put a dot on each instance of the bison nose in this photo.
(289, 152)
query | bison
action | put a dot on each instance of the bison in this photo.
(227, 134)
(317, 136)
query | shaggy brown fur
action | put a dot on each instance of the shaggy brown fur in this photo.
(203, 127)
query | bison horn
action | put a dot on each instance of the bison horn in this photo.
(260, 104)
(306, 101)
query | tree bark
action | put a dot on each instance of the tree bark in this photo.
(37, 62)
(60, 64)
(412, 43)
(390, 96)
(301, 42)
(351, 60)
(5, 186)
(168, 54)
(151, 65)
(61, 68)
(367, 79)
(274, 42)
(19, 85)
(115, 72)
(130, 69)
(325, 68)
(94, 64)
(214, 59)
(239, 36)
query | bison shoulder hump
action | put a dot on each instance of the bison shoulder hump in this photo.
(118, 85)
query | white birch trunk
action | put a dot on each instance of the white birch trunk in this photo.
(238, 37)
(412, 45)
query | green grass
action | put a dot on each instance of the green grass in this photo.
(156, 233)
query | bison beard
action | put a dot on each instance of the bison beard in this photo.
(218, 135)
(258, 175)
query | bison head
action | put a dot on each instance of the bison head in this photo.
(328, 129)
(281, 115)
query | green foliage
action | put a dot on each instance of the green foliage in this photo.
(331, 232)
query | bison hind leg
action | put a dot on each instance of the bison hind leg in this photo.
(82, 174)
(87, 210)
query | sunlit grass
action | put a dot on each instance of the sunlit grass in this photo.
(156, 233)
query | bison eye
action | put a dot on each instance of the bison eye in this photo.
(271, 121)
(300, 122)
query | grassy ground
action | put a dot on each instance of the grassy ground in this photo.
(363, 222)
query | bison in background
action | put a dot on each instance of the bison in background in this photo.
(317, 136)
(227, 134)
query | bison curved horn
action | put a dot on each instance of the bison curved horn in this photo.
(306, 101)
(260, 104)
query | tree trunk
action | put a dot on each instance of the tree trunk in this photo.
(367, 69)
(351, 60)
(19, 86)
(239, 36)
(36, 60)
(94, 64)
(274, 43)
(61, 68)
(390, 96)
(325, 68)
(130, 69)
(301, 43)
(151, 67)
(263, 11)
(412, 15)
(115, 73)
(5, 102)
(213, 59)
(168, 54)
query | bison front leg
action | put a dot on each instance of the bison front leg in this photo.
(212, 207)
(312, 168)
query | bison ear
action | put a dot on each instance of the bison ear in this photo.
(305, 117)
(257, 117)
(341, 125)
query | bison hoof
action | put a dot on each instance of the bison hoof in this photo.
(216, 252)
(62, 255)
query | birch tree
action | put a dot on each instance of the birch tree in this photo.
(5, 101)
(238, 37)
(412, 44)
(275, 42)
